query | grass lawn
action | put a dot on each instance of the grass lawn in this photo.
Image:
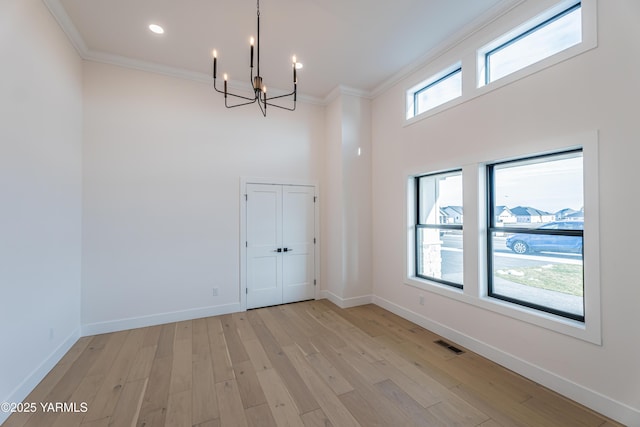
(563, 278)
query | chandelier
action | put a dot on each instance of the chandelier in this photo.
(257, 83)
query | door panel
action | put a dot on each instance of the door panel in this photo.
(298, 269)
(280, 244)
(264, 237)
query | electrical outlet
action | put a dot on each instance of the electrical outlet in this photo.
(421, 299)
(215, 292)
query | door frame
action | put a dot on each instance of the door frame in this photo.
(244, 180)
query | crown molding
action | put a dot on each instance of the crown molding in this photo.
(65, 22)
(469, 30)
(60, 15)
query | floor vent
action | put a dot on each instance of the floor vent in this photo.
(445, 344)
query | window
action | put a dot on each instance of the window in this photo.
(439, 220)
(435, 91)
(539, 40)
(535, 233)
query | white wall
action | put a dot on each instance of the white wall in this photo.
(597, 90)
(40, 193)
(161, 202)
(346, 200)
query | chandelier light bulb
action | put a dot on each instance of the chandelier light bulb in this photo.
(252, 41)
(225, 77)
(215, 53)
(294, 59)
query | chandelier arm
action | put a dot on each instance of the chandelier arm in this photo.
(263, 109)
(239, 105)
(282, 107)
(214, 86)
(232, 94)
(282, 96)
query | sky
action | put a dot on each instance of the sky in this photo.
(542, 184)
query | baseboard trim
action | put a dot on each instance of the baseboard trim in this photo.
(346, 302)
(158, 319)
(38, 374)
(592, 399)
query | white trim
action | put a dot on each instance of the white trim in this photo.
(157, 319)
(347, 302)
(474, 234)
(583, 395)
(471, 64)
(38, 374)
(244, 181)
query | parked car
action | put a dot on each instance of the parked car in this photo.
(522, 243)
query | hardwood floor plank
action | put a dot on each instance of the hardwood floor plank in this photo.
(251, 392)
(329, 374)
(245, 331)
(257, 355)
(107, 396)
(67, 384)
(329, 402)
(551, 407)
(260, 416)
(284, 410)
(301, 394)
(316, 418)
(281, 335)
(179, 409)
(154, 404)
(309, 364)
(230, 404)
(127, 410)
(416, 413)
(181, 367)
(222, 368)
(85, 393)
(203, 391)
(423, 391)
(311, 313)
(165, 340)
(237, 352)
(459, 413)
(291, 324)
(369, 414)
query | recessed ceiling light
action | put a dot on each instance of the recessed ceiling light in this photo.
(156, 29)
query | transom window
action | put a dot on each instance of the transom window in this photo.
(537, 42)
(535, 233)
(435, 91)
(439, 228)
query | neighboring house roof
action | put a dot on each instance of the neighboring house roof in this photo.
(528, 211)
(503, 209)
(456, 210)
(563, 213)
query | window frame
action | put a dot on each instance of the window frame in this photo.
(470, 56)
(437, 78)
(520, 36)
(419, 226)
(492, 228)
(475, 291)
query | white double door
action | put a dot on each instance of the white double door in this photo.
(280, 232)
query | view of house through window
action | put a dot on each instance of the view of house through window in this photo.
(439, 228)
(536, 223)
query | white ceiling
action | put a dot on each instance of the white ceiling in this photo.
(360, 44)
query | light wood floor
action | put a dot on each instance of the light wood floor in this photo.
(304, 364)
